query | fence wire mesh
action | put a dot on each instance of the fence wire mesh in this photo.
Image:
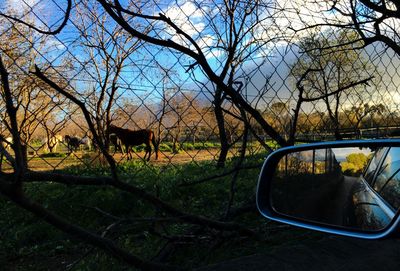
(307, 83)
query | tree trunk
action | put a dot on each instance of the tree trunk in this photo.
(219, 115)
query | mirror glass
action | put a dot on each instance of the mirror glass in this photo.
(354, 188)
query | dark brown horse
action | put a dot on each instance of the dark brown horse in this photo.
(131, 138)
(73, 143)
(114, 140)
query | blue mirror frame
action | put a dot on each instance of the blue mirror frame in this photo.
(268, 170)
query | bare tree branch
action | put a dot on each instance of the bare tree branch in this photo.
(20, 159)
(46, 32)
(76, 231)
(339, 90)
(138, 192)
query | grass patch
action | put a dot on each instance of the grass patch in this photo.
(24, 237)
(183, 146)
(53, 155)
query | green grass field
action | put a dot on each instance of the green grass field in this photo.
(27, 243)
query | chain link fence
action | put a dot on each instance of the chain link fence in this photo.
(320, 83)
(212, 86)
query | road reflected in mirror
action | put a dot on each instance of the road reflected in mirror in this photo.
(354, 188)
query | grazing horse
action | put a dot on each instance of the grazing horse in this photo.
(73, 143)
(86, 142)
(131, 138)
(114, 140)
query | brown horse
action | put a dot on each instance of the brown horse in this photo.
(131, 138)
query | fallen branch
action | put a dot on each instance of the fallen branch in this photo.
(32, 176)
(82, 234)
(221, 175)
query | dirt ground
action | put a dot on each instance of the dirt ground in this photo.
(35, 162)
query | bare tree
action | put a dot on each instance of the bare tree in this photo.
(167, 77)
(107, 50)
(374, 21)
(241, 19)
(182, 111)
(242, 24)
(36, 104)
(279, 114)
(325, 73)
(358, 114)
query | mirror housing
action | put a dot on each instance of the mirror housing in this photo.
(271, 187)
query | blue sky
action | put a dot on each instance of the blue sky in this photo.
(142, 76)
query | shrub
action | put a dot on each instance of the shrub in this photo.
(187, 146)
(165, 147)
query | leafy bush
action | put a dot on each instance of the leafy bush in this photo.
(354, 164)
(36, 143)
(165, 147)
(187, 146)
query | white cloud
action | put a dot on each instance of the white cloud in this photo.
(277, 21)
(19, 6)
(206, 41)
(298, 14)
(53, 43)
(184, 12)
(187, 17)
(207, 45)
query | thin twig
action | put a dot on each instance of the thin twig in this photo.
(49, 32)
(221, 175)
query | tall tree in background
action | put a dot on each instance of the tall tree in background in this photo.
(357, 114)
(330, 69)
(36, 103)
(279, 114)
(106, 50)
(235, 30)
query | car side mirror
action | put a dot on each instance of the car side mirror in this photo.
(350, 188)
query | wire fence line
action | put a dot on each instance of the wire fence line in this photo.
(287, 85)
(201, 82)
